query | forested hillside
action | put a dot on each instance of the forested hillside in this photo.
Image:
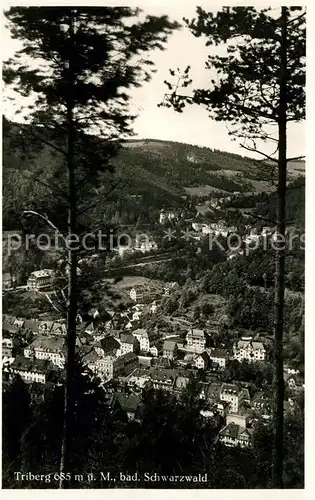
(167, 170)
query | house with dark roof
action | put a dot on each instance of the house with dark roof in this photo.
(210, 392)
(181, 382)
(248, 349)
(40, 280)
(45, 327)
(129, 343)
(145, 293)
(32, 325)
(52, 348)
(107, 345)
(146, 338)
(202, 361)
(170, 349)
(157, 348)
(131, 404)
(219, 356)
(163, 379)
(291, 381)
(7, 281)
(32, 370)
(161, 362)
(58, 329)
(9, 325)
(235, 435)
(138, 381)
(262, 404)
(109, 366)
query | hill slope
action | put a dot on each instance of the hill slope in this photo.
(188, 168)
(165, 169)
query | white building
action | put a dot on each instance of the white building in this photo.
(146, 338)
(136, 315)
(52, 348)
(196, 340)
(247, 349)
(8, 345)
(202, 361)
(40, 280)
(144, 293)
(128, 343)
(235, 435)
(31, 370)
(109, 366)
(219, 356)
(234, 396)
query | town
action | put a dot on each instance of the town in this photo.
(153, 247)
(128, 355)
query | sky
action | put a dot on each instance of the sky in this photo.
(193, 126)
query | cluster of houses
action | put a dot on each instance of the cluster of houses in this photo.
(171, 215)
(38, 281)
(12, 325)
(143, 243)
(216, 228)
(141, 358)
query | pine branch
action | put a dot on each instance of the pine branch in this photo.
(296, 158)
(51, 187)
(301, 16)
(43, 217)
(254, 150)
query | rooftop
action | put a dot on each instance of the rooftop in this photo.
(57, 328)
(195, 332)
(230, 388)
(128, 356)
(204, 355)
(231, 430)
(48, 343)
(218, 353)
(169, 345)
(31, 365)
(127, 339)
(32, 324)
(139, 331)
(128, 402)
(43, 273)
(243, 344)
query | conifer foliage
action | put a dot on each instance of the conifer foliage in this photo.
(259, 87)
(78, 66)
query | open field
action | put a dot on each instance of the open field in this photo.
(202, 190)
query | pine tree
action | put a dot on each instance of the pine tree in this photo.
(16, 416)
(79, 65)
(260, 83)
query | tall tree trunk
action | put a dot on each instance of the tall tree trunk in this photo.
(277, 472)
(72, 277)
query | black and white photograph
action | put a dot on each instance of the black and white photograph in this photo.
(153, 246)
